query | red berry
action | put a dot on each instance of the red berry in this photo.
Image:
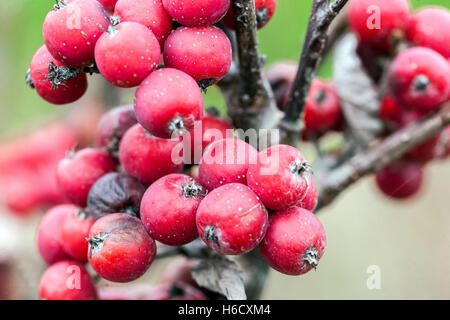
(77, 173)
(430, 27)
(127, 54)
(74, 231)
(49, 233)
(209, 130)
(168, 103)
(72, 29)
(226, 161)
(114, 193)
(197, 13)
(120, 248)
(204, 53)
(265, 9)
(400, 180)
(390, 110)
(418, 79)
(376, 22)
(108, 4)
(309, 202)
(148, 13)
(67, 280)
(295, 241)
(148, 158)
(322, 110)
(67, 92)
(168, 209)
(175, 291)
(280, 177)
(231, 219)
(112, 127)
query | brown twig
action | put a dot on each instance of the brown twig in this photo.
(384, 153)
(322, 14)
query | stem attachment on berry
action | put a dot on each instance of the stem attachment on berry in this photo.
(193, 190)
(96, 243)
(59, 5)
(211, 235)
(261, 16)
(206, 83)
(176, 127)
(28, 80)
(300, 167)
(421, 82)
(311, 256)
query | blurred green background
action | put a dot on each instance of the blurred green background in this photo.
(408, 241)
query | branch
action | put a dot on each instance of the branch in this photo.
(322, 14)
(381, 155)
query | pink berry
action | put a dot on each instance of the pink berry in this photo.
(231, 219)
(210, 129)
(74, 231)
(377, 21)
(265, 9)
(112, 127)
(168, 103)
(120, 248)
(67, 280)
(77, 173)
(418, 79)
(109, 5)
(127, 54)
(280, 177)
(430, 27)
(226, 161)
(400, 180)
(197, 13)
(204, 53)
(148, 158)
(148, 13)
(67, 92)
(295, 241)
(72, 29)
(49, 235)
(169, 207)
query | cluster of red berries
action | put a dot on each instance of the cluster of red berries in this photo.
(417, 79)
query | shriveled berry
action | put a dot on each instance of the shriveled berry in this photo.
(377, 22)
(67, 280)
(231, 219)
(418, 79)
(74, 231)
(72, 29)
(226, 161)
(168, 103)
(112, 127)
(295, 241)
(169, 207)
(430, 27)
(63, 93)
(197, 13)
(120, 248)
(148, 158)
(49, 233)
(78, 172)
(148, 13)
(265, 9)
(400, 180)
(204, 53)
(280, 177)
(115, 193)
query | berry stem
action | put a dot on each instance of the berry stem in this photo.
(322, 14)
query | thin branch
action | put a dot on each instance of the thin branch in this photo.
(381, 155)
(322, 14)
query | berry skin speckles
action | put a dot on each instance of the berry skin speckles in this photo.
(127, 54)
(198, 12)
(231, 219)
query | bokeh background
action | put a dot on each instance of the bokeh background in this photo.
(408, 241)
